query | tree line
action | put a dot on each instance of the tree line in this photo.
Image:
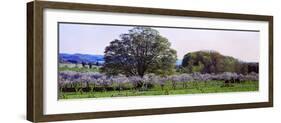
(214, 62)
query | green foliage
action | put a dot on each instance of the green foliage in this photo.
(142, 50)
(214, 62)
(69, 67)
(198, 68)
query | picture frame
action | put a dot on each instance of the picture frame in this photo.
(36, 60)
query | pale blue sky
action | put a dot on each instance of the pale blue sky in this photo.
(92, 39)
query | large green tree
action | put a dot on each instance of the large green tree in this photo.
(211, 62)
(142, 50)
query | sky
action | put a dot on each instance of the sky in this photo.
(92, 39)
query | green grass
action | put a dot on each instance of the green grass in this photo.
(78, 68)
(192, 88)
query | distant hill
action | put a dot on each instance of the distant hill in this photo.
(179, 62)
(79, 58)
(87, 58)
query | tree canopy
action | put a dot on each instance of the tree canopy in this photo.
(142, 50)
(214, 62)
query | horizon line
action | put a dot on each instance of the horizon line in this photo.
(177, 58)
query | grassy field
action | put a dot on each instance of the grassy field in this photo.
(192, 88)
(78, 68)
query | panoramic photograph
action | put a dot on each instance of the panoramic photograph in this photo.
(107, 61)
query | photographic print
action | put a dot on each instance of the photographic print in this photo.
(108, 61)
(88, 61)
